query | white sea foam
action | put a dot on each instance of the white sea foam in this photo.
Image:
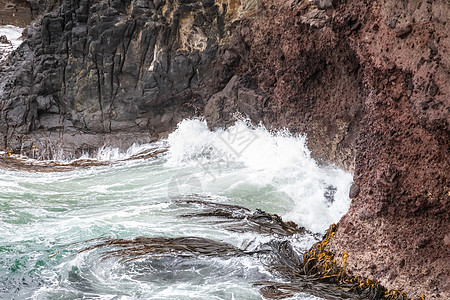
(47, 216)
(280, 159)
(14, 35)
(114, 154)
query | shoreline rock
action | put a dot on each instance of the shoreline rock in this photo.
(104, 68)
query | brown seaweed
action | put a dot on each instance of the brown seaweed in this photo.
(164, 246)
(317, 272)
(322, 275)
(241, 219)
(282, 290)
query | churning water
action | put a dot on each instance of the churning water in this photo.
(50, 223)
(14, 37)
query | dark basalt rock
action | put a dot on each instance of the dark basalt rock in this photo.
(4, 40)
(111, 66)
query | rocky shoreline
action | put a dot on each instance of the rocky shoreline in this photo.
(369, 83)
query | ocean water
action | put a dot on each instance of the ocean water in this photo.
(51, 222)
(14, 35)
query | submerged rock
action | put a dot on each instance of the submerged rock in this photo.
(4, 39)
(21, 163)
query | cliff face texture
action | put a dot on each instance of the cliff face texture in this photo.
(92, 68)
(403, 155)
(368, 82)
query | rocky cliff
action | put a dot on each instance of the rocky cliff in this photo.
(369, 82)
(132, 68)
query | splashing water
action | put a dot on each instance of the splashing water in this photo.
(47, 219)
(14, 36)
(267, 169)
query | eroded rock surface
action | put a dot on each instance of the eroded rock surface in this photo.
(94, 68)
(369, 83)
(21, 12)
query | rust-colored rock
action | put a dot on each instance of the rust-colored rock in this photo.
(370, 85)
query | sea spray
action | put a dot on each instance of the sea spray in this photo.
(267, 161)
(14, 37)
(47, 219)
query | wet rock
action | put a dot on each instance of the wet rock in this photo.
(222, 109)
(4, 40)
(102, 66)
(354, 191)
(19, 163)
(329, 194)
(403, 31)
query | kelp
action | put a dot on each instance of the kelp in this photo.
(163, 246)
(282, 290)
(322, 275)
(316, 272)
(276, 253)
(241, 219)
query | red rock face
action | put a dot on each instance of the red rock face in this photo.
(312, 76)
(370, 85)
(396, 227)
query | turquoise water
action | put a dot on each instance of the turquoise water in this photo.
(46, 219)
